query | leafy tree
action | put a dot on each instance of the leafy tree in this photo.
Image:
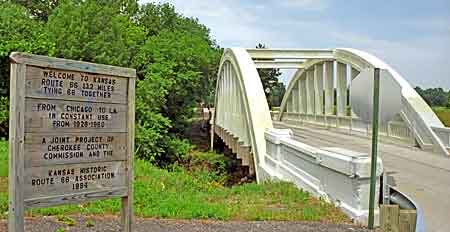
(157, 17)
(448, 100)
(19, 32)
(269, 79)
(40, 9)
(433, 96)
(176, 61)
(162, 18)
(277, 95)
(175, 57)
(94, 31)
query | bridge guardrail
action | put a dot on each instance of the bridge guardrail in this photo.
(338, 175)
(444, 134)
(394, 130)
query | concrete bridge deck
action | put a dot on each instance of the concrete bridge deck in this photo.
(423, 176)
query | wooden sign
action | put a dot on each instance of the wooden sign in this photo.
(71, 135)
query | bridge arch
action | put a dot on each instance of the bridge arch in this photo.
(311, 98)
(241, 110)
(316, 95)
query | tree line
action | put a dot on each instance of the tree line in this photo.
(435, 97)
(175, 57)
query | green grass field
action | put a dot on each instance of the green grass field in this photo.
(444, 114)
(179, 194)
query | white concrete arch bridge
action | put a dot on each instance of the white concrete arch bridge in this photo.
(316, 140)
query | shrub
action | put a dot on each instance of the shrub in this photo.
(151, 137)
(178, 150)
(209, 166)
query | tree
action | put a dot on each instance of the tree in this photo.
(20, 33)
(269, 79)
(174, 56)
(433, 96)
(95, 31)
(277, 94)
(157, 18)
(177, 61)
(40, 9)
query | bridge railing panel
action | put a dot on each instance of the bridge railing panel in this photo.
(338, 175)
(396, 129)
(444, 134)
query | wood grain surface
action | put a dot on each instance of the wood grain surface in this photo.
(71, 134)
(72, 65)
(46, 149)
(69, 85)
(46, 115)
(73, 178)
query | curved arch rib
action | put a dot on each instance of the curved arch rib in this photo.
(417, 115)
(241, 105)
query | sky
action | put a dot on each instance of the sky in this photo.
(411, 36)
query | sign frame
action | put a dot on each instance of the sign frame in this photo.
(17, 156)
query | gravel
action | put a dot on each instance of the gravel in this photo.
(111, 223)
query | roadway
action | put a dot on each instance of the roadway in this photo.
(423, 176)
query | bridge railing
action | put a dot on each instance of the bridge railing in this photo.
(394, 130)
(335, 174)
(444, 134)
(319, 92)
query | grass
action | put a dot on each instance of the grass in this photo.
(3, 168)
(180, 194)
(444, 114)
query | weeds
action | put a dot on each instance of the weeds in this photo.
(197, 193)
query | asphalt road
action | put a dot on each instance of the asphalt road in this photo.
(423, 176)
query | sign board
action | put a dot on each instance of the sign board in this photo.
(71, 135)
(361, 97)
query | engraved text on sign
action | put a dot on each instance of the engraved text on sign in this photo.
(75, 132)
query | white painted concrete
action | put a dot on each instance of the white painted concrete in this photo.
(236, 64)
(415, 113)
(310, 91)
(336, 174)
(329, 87)
(341, 89)
(318, 88)
(423, 176)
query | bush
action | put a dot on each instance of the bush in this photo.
(209, 166)
(151, 137)
(178, 149)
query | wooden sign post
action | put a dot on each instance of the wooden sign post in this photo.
(71, 135)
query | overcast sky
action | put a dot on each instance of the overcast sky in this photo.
(412, 36)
